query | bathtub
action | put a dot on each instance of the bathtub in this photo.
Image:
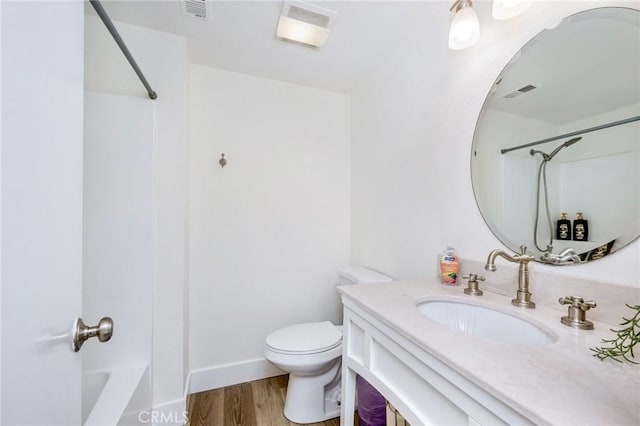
(114, 396)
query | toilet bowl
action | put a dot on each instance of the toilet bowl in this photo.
(312, 353)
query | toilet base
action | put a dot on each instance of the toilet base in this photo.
(313, 399)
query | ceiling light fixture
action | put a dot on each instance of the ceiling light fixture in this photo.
(305, 24)
(465, 27)
(507, 9)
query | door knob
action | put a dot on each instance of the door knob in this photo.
(81, 332)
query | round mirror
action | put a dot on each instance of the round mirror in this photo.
(555, 160)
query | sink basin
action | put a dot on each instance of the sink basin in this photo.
(486, 322)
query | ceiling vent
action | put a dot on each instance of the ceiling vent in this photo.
(520, 91)
(200, 9)
(305, 13)
(305, 24)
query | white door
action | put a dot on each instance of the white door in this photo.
(41, 213)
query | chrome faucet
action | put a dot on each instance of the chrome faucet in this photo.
(523, 296)
(567, 256)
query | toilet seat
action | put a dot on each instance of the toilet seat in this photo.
(303, 339)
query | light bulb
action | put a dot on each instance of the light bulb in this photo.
(465, 29)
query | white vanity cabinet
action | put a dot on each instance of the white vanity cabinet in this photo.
(421, 387)
(435, 375)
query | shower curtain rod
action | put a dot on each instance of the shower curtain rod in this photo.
(577, 132)
(114, 33)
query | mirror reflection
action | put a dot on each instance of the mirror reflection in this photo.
(555, 160)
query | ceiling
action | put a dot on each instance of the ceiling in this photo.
(241, 37)
(368, 35)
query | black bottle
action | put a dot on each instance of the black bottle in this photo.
(563, 228)
(580, 229)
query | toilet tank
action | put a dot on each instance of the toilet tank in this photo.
(361, 275)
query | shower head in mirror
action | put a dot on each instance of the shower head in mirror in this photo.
(564, 145)
(548, 157)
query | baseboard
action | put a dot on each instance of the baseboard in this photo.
(231, 374)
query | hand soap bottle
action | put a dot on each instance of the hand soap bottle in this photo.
(563, 228)
(449, 266)
(580, 228)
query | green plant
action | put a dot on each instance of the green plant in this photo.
(621, 348)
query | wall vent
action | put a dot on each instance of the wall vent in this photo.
(520, 91)
(200, 9)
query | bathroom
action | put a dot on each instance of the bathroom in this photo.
(381, 177)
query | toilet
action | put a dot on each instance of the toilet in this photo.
(311, 353)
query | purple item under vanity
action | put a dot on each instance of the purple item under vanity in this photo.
(371, 404)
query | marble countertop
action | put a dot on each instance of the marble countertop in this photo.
(561, 383)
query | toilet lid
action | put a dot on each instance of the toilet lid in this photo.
(305, 338)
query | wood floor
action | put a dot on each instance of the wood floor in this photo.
(257, 403)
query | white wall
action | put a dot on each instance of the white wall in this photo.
(606, 220)
(268, 232)
(117, 244)
(518, 223)
(162, 58)
(412, 128)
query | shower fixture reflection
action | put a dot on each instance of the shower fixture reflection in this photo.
(542, 176)
(548, 157)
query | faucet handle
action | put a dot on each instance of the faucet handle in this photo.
(473, 277)
(577, 302)
(577, 315)
(523, 256)
(472, 285)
